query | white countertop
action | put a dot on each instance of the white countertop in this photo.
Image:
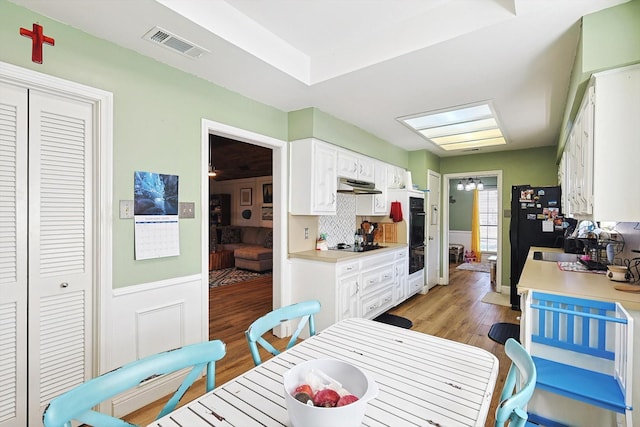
(546, 276)
(343, 255)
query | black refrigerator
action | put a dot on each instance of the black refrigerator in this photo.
(536, 220)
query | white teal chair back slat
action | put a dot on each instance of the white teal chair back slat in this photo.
(78, 403)
(304, 311)
(518, 387)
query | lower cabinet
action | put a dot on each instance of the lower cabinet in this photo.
(363, 287)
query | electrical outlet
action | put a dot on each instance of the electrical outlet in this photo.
(306, 233)
(187, 209)
(126, 209)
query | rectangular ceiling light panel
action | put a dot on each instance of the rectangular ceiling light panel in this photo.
(459, 129)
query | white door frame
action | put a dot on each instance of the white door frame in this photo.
(103, 188)
(431, 201)
(445, 220)
(281, 275)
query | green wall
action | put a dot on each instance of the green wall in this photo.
(312, 122)
(420, 162)
(535, 166)
(157, 119)
(609, 39)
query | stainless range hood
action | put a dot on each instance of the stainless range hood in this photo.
(353, 186)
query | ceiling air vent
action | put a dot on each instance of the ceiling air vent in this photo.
(173, 42)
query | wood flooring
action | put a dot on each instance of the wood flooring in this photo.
(455, 312)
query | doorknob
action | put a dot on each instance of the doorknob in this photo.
(430, 238)
(64, 285)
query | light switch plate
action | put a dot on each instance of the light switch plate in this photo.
(187, 210)
(126, 209)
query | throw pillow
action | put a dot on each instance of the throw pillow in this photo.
(268, 241)
(230, 235)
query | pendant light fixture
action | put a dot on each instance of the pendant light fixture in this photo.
(212, 169)
(470, 184)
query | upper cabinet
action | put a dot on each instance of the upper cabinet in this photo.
(313, 178)
(355, 166)
(600, 155)
(314, 171)
(375, 204)
(395, 177)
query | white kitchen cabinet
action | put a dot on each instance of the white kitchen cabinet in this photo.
(375, 204)
(365, 286)
(603, 147)
(395, 177)
(355, 166)
(313, 178)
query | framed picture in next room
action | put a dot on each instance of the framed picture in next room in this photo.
(245, 197)
(267, 193)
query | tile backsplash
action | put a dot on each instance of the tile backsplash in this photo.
(340, 227)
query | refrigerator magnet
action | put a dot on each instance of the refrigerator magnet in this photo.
(553, 203)
(531, 216)
(540, 192)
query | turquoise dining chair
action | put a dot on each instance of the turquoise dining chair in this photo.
(78, 403)
(302, 310)
(518, 386)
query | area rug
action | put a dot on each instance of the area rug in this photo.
(228, 276)
(501, 332)
(497, 299)
(392, 319)
(475, 266)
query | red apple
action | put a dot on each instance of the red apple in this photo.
(346, 399)
(326, 398)
(303, 388)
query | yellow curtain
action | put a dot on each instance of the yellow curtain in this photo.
(475, 225)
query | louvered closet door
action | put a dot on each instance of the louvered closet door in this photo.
(60, 248)
(13, 260)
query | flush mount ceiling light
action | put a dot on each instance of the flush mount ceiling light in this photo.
(461, 128)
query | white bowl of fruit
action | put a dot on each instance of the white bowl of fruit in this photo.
(327, 392)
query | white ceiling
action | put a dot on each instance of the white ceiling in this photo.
(367, 62)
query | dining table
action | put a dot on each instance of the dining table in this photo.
(423, 380)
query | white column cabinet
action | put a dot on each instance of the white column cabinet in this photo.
(313, 178)
(602, 149)
(46, 285)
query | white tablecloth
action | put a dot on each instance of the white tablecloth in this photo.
(423, 381)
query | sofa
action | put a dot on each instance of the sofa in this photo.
(252, 246)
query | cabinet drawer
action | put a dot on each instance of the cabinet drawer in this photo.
(348, 268)
(415, 284)
(373, 280)
(376, 304)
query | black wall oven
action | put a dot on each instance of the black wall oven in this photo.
(416, 234)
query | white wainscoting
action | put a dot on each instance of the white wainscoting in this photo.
(147, 319)
(461, 238)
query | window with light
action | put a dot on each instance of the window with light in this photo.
(488, 209)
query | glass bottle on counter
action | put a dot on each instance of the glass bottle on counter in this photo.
(357, 241)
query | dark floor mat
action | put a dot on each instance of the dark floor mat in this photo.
(392, 319)
(501, 332)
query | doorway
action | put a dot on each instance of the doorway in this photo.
(449, 196)
(281, 287)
